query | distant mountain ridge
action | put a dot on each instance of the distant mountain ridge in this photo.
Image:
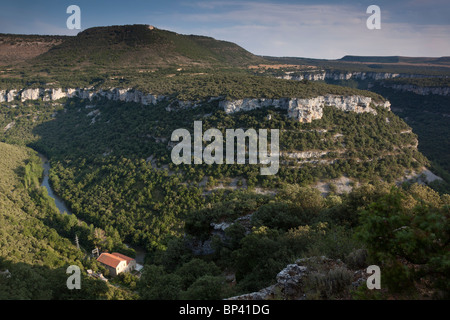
(147, 46)
(397, 59)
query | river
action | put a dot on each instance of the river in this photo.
(46, 183)
(140, 252)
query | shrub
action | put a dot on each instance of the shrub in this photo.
(328, 285)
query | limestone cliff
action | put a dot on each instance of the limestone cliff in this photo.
(306, 110)
(342, 75)
(303, 109)
(128, 95)
(337, 75)
(441, 91)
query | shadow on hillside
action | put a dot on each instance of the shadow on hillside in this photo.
(22, 281)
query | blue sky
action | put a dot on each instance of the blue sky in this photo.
(316, 29)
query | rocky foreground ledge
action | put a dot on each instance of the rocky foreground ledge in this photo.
(302, 109)
(310, 278)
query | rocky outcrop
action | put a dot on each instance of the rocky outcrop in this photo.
(441, 91)
(339, 75)
(178, 104)
(305, 110)
(31, 94)
(203, 247)
(292, 282)
(127, 95)
(9, 126)
(336, 76)
(287, 285)
(304, 154)
(7, 96)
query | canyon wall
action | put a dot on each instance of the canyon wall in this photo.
(303, 109)
(128, 95)
(441, 91)
(306, 110)
(342, 75)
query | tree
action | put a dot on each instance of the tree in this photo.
(205, 288)
(156, 284)
(194, 269)
(395, 233)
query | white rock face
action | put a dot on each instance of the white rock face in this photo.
(337, 75)
(305, 110)
(11, 95)
(251, 104)
(9, 126)
(31, 94)
(441, 91)
(221, 226)
(127, 95)
(304, 154)
(58, 94)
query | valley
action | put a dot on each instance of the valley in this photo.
(355, 135)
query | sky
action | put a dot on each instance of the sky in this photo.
(323, 29)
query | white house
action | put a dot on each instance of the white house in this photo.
(117, 263)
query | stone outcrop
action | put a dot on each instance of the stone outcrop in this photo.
(10, 95)
(127, 95)
(304, 154)
(288, 285)
(441, 91)
(340, 75)
(178, 104)
(337, 75)
(290, 282)
(31, 94)
(305, 110)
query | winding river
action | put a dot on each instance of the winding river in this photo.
(140, 252)
(46, 183)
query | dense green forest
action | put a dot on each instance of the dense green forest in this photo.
(37, 242)
(427, 115)
(404, 231)
(297, 223)
(121, 158)
(110, 163)
(113, 169)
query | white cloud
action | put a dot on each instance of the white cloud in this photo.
(320, 31)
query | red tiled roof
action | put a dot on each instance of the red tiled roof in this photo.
(110, 260)
(122, 256)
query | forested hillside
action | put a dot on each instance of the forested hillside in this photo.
(345, 189)
(36, 241)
